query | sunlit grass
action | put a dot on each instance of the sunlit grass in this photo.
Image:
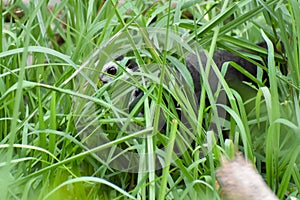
(52, 108)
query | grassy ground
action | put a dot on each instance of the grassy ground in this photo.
(65, 137)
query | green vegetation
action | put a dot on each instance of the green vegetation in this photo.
(52, 108)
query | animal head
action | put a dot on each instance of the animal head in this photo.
(115, 68)
(121, 66)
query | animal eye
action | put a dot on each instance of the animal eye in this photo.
(131, 64)
(112, 71)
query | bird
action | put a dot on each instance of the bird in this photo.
(122, 66)
(121, 69)
(234, 78)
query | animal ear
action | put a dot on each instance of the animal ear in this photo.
(119, 58)
(131, 64)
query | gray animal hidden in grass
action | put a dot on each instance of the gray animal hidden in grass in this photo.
(233, 77)
(115, 73)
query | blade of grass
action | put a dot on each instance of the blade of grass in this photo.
(1, 27)
(291, 53)
(89, 180)
(273, 135)
(168, 158)
(53, 126)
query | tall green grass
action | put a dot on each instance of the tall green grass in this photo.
(44, 154)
